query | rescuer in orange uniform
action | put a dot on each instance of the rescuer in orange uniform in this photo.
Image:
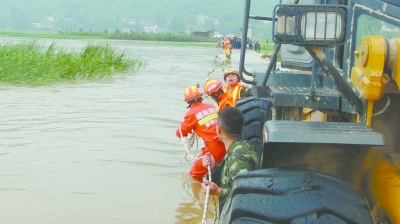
(224, 41)
(231, 77)
(213, 88)
(228, 49)
(201, 118)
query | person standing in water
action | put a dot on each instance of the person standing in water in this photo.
(240, 155)
(201, 118)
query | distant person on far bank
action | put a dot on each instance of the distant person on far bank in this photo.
(257, 46)
(240, 155)
(231, 77)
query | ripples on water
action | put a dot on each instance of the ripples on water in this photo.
(105, 151)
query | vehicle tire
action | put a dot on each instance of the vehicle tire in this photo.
(293, 196)
(256, 112)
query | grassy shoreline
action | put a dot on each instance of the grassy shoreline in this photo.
(99, 36)
(170, 39)
(31, 64)
(28, 63)
(47, 35)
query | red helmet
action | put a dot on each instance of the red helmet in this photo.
(191, 93)
(212, 86)
(231, 71)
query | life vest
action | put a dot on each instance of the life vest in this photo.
(228, 46)
(236, 91)
(225, 100)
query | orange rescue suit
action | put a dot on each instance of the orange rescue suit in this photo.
(228, 46)
(202, 119)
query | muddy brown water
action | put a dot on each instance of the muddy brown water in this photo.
(103, 151)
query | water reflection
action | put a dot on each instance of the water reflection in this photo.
(192, 209)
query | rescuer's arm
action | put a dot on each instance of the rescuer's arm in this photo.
(208, 160)
(187, 126)
(214, 189)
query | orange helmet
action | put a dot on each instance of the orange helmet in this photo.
(231, 71)
(212, 86)
(191, 93)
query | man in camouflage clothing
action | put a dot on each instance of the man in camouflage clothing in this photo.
(240, 156)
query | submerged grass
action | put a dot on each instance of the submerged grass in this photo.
(28, 63)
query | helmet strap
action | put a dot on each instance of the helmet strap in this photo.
(200, 99)
(215, 97)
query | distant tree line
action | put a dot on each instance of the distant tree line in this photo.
(176, 16)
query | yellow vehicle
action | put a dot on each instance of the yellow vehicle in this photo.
(343, 62)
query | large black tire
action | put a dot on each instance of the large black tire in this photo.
(293, 196)
(256, 112)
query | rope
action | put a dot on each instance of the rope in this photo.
(189, 144)
(204, 221)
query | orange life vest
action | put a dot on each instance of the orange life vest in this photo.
(236, 91)
(225, 100)
(228, 46)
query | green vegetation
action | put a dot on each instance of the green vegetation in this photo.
(160, 37)
(168, 37)
(29, 63)
(267, 48)
(53, 35)
(171, 16)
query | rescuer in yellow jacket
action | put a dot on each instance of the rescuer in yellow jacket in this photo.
(231, 77)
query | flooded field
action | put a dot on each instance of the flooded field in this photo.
(103, 151)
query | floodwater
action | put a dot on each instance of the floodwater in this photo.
(104, 151)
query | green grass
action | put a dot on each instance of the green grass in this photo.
(53, 35)
(267, 48)
(166, 37)
(170, 37)
(28, 63)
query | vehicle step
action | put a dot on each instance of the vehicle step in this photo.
(322, 132)
(293, 96)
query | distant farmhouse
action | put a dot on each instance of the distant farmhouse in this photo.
(206, 34)
(129, 25)
(147, 25)
(202, 19)
(44, 21)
